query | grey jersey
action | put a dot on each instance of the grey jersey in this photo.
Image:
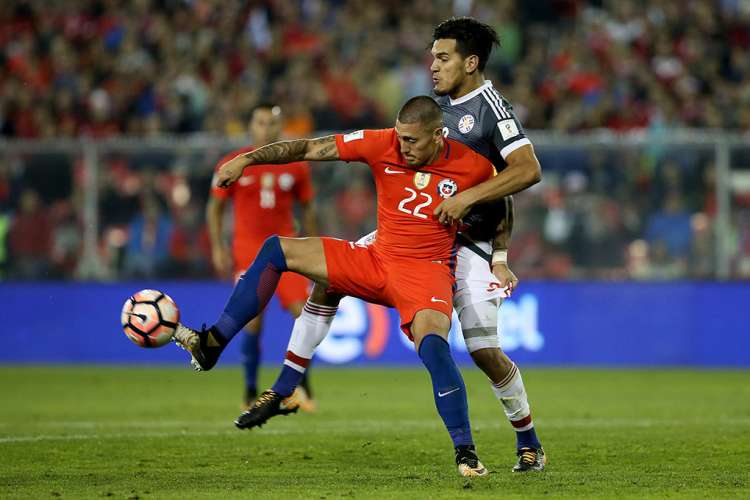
(483, 120)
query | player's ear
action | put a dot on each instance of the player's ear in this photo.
(437, 134)
(471, 64)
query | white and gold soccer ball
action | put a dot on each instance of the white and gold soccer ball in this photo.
(149, 318)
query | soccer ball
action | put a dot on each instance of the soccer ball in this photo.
(149, 318)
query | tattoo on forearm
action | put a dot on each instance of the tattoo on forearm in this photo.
(323, 153)
(327, 147)
(279, 152)
(290, 151)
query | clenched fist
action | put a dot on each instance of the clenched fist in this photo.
(453, 209)
(230, 171)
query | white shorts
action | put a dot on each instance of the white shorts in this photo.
(474, 279)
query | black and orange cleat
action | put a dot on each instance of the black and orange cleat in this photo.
(530, 459)
(269, 404)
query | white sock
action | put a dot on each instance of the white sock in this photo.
(310, 328)
(512, 394)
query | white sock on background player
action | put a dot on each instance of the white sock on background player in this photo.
(310, 328)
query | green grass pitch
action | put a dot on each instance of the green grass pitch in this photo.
(141, 432)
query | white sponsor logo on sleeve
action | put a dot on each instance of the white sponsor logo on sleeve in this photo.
(354, 136)
(507, 128)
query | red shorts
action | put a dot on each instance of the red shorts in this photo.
(293, 288)
(409, 285)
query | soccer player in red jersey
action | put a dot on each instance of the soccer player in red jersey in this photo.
(477, 115)
(263, 200)
(409, 266)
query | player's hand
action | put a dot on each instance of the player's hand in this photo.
(222, 260)
(230, 171)
(453, 209)
(505, 276)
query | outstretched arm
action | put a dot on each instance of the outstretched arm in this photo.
(321, 149)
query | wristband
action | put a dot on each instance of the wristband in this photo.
(499, 257)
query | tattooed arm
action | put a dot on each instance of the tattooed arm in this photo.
(321, 149)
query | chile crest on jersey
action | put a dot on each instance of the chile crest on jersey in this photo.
(447, 188)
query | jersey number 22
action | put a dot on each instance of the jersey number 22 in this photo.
(412, 196)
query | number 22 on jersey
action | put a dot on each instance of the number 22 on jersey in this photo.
(411, 197)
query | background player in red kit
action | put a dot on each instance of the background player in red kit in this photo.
(263, 201)
(409, 267)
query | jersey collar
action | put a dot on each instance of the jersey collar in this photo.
(472, 94)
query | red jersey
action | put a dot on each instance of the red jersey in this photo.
(264, 199)
(407, 196)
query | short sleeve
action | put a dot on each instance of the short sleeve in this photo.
(303, 188)
(364, 145)
(505, 130)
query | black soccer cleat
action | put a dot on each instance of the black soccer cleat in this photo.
(530, 459)
(269, 404)
(468, 463)
(204, 346)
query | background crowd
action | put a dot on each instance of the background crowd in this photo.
(149, 68)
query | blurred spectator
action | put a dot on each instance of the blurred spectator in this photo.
(669, 228)
(30, 238)
(147, 253)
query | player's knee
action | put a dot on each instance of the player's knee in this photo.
(479, 327)
(321, 297)
(429, 321)
(295, 309)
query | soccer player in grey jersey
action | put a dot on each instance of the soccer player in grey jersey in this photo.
(478, 116)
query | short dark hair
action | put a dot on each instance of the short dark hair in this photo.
(421, 109)
(268, 105)
(472, 37)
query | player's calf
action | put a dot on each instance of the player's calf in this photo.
(249, 297)
(479, 325)
(450, 395)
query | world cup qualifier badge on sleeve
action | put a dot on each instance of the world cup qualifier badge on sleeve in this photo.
(447, 188)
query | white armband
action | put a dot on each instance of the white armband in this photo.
(499, 257)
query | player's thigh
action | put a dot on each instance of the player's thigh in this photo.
(474, 280)
(355, 270)
(305, 256)
(421, 290)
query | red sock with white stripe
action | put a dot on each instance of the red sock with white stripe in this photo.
(512, 394)
(309, 330)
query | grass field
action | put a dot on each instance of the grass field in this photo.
(91, 432)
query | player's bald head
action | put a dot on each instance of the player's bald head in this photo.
(422, 110)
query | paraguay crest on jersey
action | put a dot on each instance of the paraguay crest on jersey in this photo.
(465, 124)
